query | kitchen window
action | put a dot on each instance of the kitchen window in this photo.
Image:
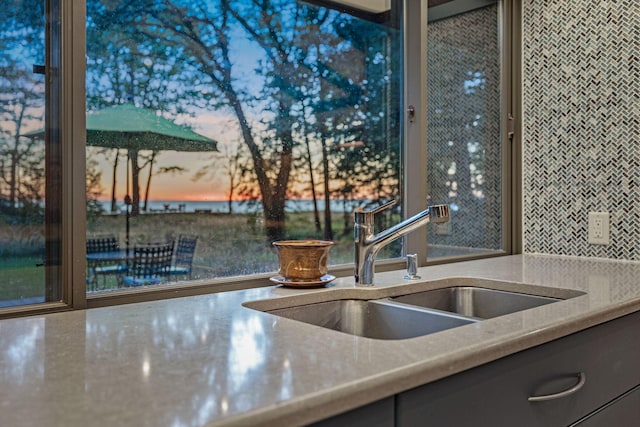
(466, 139)
(239, 123)
(31, 176)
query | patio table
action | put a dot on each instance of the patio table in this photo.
(118, 260)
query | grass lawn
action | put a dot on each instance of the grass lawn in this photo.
(228, 245)
(20, 278)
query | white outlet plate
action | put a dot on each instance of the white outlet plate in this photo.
(599, 228)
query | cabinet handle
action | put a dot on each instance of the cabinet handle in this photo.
(582, 379)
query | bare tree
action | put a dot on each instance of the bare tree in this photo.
(201, 35)
(149, 162)
(125, 66)
(93, 187)
(21, 159)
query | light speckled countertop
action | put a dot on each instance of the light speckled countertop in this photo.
(207, 360)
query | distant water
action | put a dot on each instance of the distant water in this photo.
(236, 206)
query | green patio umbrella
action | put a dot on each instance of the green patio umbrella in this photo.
(126, 126)
(134, 128)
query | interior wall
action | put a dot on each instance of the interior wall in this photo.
(581, 125)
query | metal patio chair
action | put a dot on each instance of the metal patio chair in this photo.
(183, 257)
(150, 265)
(103, 269)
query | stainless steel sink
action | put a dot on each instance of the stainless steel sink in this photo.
(474, 302)
(399, 312)
(373, 319)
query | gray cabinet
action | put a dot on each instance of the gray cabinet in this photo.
(623, 411)
(376, 414)
(600, 366)
(607, 357)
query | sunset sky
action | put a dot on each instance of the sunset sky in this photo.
(176, 186)
(220, 126)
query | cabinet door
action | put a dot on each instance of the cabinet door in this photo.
(497, 394)
(376, 414)
(622, 412)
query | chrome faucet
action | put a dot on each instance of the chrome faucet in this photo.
(367, 245)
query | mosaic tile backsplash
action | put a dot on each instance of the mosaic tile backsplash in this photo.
(581, 125)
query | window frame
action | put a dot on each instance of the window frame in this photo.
(72, 122)
(510, 135)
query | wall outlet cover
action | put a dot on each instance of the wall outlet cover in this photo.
(599, 228)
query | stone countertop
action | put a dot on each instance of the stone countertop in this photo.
(208, 360)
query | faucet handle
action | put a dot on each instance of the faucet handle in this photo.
(362, 216)
(376, 210)
(384, 206)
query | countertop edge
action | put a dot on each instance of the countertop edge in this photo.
(337, 400)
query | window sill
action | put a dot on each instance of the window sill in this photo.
(208, 286)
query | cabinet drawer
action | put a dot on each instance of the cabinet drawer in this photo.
(496, 394)
(622, 412)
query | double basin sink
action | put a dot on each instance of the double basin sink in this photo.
(418, 312)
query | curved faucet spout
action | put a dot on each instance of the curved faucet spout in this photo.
(367, 245)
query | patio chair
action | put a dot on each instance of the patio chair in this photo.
(102, 244)
(150, 266)
(183, 258)
(104, 269)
